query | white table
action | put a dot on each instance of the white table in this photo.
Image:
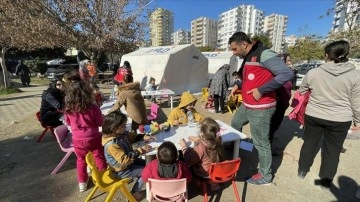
(106, 106)
(228, 134)
(168, 92)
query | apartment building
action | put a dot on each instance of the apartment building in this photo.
(275, 28)
(346, 15)
(161, 27)
(245, 18)
(181, 36)
(204, 32)
(290, 40)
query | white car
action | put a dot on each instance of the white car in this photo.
(299, 78)
(57, 61)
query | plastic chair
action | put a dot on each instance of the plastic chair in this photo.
(205, 94)
(239, 100)
(230, 103)
(153, 112)
(62, 137)
(46, 128)
(167, 190)
(223, 172)
(104, 181)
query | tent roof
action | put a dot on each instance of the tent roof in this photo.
(218, 55)
(161, 50)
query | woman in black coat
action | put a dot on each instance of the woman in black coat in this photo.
(52, 102)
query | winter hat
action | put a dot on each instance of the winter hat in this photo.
(186, 99)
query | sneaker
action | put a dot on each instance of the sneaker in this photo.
(324, 183)
(88, 170)
(301, 174)
(258, 179)
(83, 186)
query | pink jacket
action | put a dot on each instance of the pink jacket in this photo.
(85, 125)
(151, 171)
(299, 103)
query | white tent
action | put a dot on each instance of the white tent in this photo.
(218, 59)
(178, 68)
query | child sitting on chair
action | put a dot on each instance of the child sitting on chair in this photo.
(119, 154)
(151, 87)
(179, 114)
(208, 149)
(166, 166)
(99, 96)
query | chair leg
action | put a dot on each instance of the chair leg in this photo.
(91, 194)
(42, 135)
(205, 192)
(67, 155)
(111, 194)
(236, 192)
(52, 132)
(127, 194)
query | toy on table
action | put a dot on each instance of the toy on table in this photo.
(153, 128)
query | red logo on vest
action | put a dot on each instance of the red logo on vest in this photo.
(253, 59)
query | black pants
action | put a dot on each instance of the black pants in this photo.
(334, 134)
(217, 99)
(52, 118)
(277, 119)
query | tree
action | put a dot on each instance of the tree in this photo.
(205, 48)
(263, 39)
(91, 26)
(307, 49)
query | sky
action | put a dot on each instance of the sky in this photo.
(303, 15)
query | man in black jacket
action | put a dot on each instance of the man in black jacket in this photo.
(52, 102)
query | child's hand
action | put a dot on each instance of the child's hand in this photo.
(182, 143)
(194, 138)
(148, 138)
(146, 148)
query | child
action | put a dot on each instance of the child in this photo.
(151, 87)
(208, 149)
(84, 117)
(179, 114)
(99, 96)
(166, 166)
(120, 156)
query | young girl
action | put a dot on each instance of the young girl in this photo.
(120, 156)
(84, 117)
(208, 149)
(166, 166)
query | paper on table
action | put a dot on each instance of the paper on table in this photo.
(246, 146)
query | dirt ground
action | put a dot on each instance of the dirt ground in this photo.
(25, 166)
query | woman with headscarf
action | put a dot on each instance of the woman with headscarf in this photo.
(219, 87)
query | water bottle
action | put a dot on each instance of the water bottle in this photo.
(112, 96)
(190, 117)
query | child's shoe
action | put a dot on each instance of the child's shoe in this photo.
(138, 196)
(83, 186)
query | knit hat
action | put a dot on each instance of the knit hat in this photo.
(186, 99)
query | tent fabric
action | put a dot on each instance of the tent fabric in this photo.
(179, 68)
(218, 59)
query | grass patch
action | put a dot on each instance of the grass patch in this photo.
(10, 90)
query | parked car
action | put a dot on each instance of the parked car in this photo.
(55, 71)
(301, 71)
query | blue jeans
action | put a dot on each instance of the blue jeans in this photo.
(259, 128)
(133, 171)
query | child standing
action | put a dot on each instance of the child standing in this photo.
(120, 156)
(84, 117)
(208, 149)
(99, 96)
(166, 166)
(179, 114)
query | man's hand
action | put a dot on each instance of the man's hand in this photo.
(256, 94)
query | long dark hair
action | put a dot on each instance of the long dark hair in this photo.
(210, 130)
(337, 51)
(78, 95)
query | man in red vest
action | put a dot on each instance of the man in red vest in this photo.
(262, 72)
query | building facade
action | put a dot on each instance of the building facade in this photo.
(180, 37)
(275, 28)
(346, 15)
(204, 32)
(161, 27)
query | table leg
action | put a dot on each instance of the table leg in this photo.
(171, 102)
(236, 149)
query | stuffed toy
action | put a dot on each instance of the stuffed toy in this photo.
(154, 128)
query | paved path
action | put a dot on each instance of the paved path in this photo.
(15, 106)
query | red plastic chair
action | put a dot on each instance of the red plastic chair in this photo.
(153, 112)
(65, 143)
(223, 172)
(167, 190)
(44, 126)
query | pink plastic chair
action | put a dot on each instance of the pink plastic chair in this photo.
(167, 190)
(65, 143)
(153, 112)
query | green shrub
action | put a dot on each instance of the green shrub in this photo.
(10, 90)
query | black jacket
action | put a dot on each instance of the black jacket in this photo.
(51, 100)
